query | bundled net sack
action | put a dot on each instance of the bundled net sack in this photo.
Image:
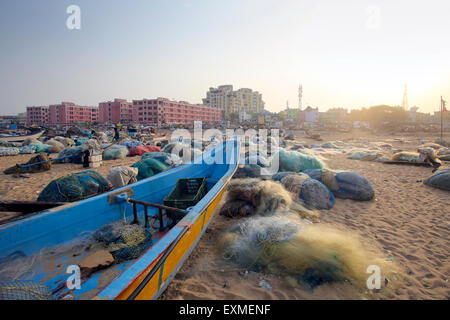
(29, 141)
(8, 144)
(27, 149)
(80, 141)
(344, 184)
(329, 145)
(247, 171)
(407, 156)
(297, 162)
(440, 180)
(40, 147)
(258, 160)
(313, 193)
(131, 143)
(280, 175)
(115, 152)
(122, 176)
(39, 163)
(432, 145)
(140, 150)
(72, 155)
(149, 167)
(181, 150)
(75, 187)
(54, 146)
(67, 142)
(9, 152)
(169, 159)
(364, 155)
(237, 208)
(313, 253)
(24, 290)
(124, 241)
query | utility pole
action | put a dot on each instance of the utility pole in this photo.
(405, 99)
(300, 96)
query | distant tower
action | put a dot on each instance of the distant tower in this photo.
(287, 104)
(405, 99)
(300, 96)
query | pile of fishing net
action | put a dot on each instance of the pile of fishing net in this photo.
(247, 171)
(168, 159)
(27, 149)
(115, 152)
(431, 145)
(258, 160)
(29, 141)
(367, 155)
(124, 241)
(180, 149)
(73, 155)
(130, 144)
(149, 167)
(122, 176)
(75, 131)
(8, 144)
(407, 156)
(444, 154)
(440, 180)
(312, 192)
(54, 146)
(38, 163)
(67, 142)
(140, 150)
(76, 154)
(24, 290)
(237, 209)
(80, 141)
(265, 196)
(329, 145)
(40, 147)
(9, 152)
(75, 187)
(344, 184)
(296, 161)
(313, 254)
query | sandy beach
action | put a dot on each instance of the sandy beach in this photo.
(408, 221)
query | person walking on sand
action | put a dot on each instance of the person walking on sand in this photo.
(428, 155)
(116, 134)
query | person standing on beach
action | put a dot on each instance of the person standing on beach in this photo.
(116, 134)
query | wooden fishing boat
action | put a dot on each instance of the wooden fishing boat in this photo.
(145, 277)
(35, 135)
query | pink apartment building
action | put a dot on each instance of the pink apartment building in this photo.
(68, 112)
(38, 115)
(162, 110)
(116, 111)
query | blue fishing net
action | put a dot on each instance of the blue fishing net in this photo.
(124, 241)
(75, 187)
(149, 167)
(440, 180)
(297, 162)
(24, 290)
(115, 152)
(345, 185)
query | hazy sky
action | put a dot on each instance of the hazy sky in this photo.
(348, 53)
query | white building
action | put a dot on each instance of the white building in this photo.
(230, 101)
